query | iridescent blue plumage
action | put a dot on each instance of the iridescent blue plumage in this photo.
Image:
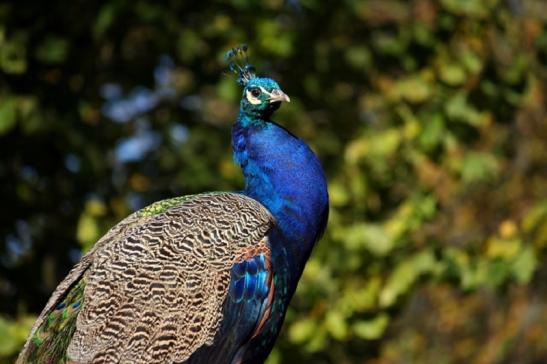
(248, 280)
(283, 174)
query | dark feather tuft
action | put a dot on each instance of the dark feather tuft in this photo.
(239, 64)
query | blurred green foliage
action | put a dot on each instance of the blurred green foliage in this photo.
(429, 117)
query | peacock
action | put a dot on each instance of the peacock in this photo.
(202, 278)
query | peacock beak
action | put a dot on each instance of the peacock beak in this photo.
(278, 95)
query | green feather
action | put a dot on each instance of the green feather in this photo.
(49, 343)
(164, 205)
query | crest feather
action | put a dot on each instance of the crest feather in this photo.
(239, 64)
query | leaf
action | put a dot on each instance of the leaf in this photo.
(459, 109)
(336, 325)
(478, 167)
(338, 194)
(275, 357)
(371, 329)
(535, 224)
(53, 50)
(13, 56)
(381, 145)
(13, 334)
(87, 231)
(359, 57)
(228, 90)
(503, 248)
(104, 19)
(471, 61)
(359, 298)
(536, 216)
(300, 331)
(414, 89)
(452, 74)
(369, 236)
(470, 8)
(8, 114)
(525, 265)
(404, 276)
(433, 132)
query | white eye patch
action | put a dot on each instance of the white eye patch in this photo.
(255, 100)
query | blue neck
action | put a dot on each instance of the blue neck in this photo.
(283, 174)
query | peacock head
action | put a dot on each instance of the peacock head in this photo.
(261, 95)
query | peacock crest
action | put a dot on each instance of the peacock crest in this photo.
(239, 64)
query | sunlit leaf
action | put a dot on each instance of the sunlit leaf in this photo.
(302, 330)
(371, 329)
(525, 265)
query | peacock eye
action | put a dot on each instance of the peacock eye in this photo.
(255, 92)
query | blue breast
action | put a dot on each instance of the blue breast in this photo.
(283, 174)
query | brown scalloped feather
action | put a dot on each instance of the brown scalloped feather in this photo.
(155, 284)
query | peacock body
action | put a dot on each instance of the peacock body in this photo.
(197, 279)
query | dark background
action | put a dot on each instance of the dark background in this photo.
(429, 118)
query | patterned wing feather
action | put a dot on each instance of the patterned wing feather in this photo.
(246, 308)
(154, 292)
(53, 329)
